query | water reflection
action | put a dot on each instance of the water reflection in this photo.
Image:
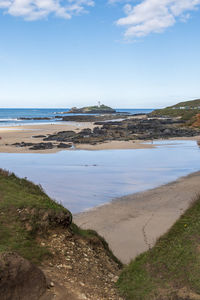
(84, 179)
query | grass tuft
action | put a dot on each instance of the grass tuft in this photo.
(172, 264)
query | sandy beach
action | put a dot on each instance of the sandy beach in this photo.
(130, 224)
(133, 223)
(25, 133)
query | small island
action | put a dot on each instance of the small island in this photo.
(96, 109)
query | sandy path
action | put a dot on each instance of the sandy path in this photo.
(133, 223)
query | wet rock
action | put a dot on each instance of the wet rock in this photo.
(39, 136)
(42, 146)
(94, 118)
(61, 136)
(63, 145)
(85, 132)
(22, 144)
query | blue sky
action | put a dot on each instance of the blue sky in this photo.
(140, 54)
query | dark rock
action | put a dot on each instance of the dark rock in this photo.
(20, 279)
(63, 145)
(42, 146)
(61, 136)
(94, 118)
(22, 144)
(85, 132)
(39, 136)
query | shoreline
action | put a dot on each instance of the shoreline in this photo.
(15, 134)
(132, 224)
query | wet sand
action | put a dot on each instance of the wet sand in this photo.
(133, 223)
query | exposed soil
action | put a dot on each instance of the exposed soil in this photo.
(80, 268)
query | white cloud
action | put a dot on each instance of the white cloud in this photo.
(38, 9)
(117, 1)
(154, 15)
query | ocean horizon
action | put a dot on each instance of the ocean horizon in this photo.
(11, 116)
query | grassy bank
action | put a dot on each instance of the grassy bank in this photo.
(185, 115)
(187, 111)
(17, 196)
(172, 267)
(27, 213)
(41, 230)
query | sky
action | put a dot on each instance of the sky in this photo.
(125, 53)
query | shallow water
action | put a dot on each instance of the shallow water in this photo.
(85, 179)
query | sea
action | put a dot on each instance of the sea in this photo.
(12, 116)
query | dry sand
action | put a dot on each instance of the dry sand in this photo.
(133, 223)
(25, 133)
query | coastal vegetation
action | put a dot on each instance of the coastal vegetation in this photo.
(170, 270)
(186, 111)
(21, 205)
(37, 231)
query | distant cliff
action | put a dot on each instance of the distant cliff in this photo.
(187, 111)
(101, 109)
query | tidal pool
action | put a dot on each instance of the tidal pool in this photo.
(81, 179)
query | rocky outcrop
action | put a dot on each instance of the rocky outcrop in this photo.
(122, 130)
(64, 146)
(20, 279)
(43, 219)
(61, 136)
(43, 146)
(94, 118)
(130, 129)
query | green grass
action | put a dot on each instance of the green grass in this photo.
(188, 114)
(184, 114)
(173, 263)
(21, 193)
(17, 194)
(191, 103)
(95, 107)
